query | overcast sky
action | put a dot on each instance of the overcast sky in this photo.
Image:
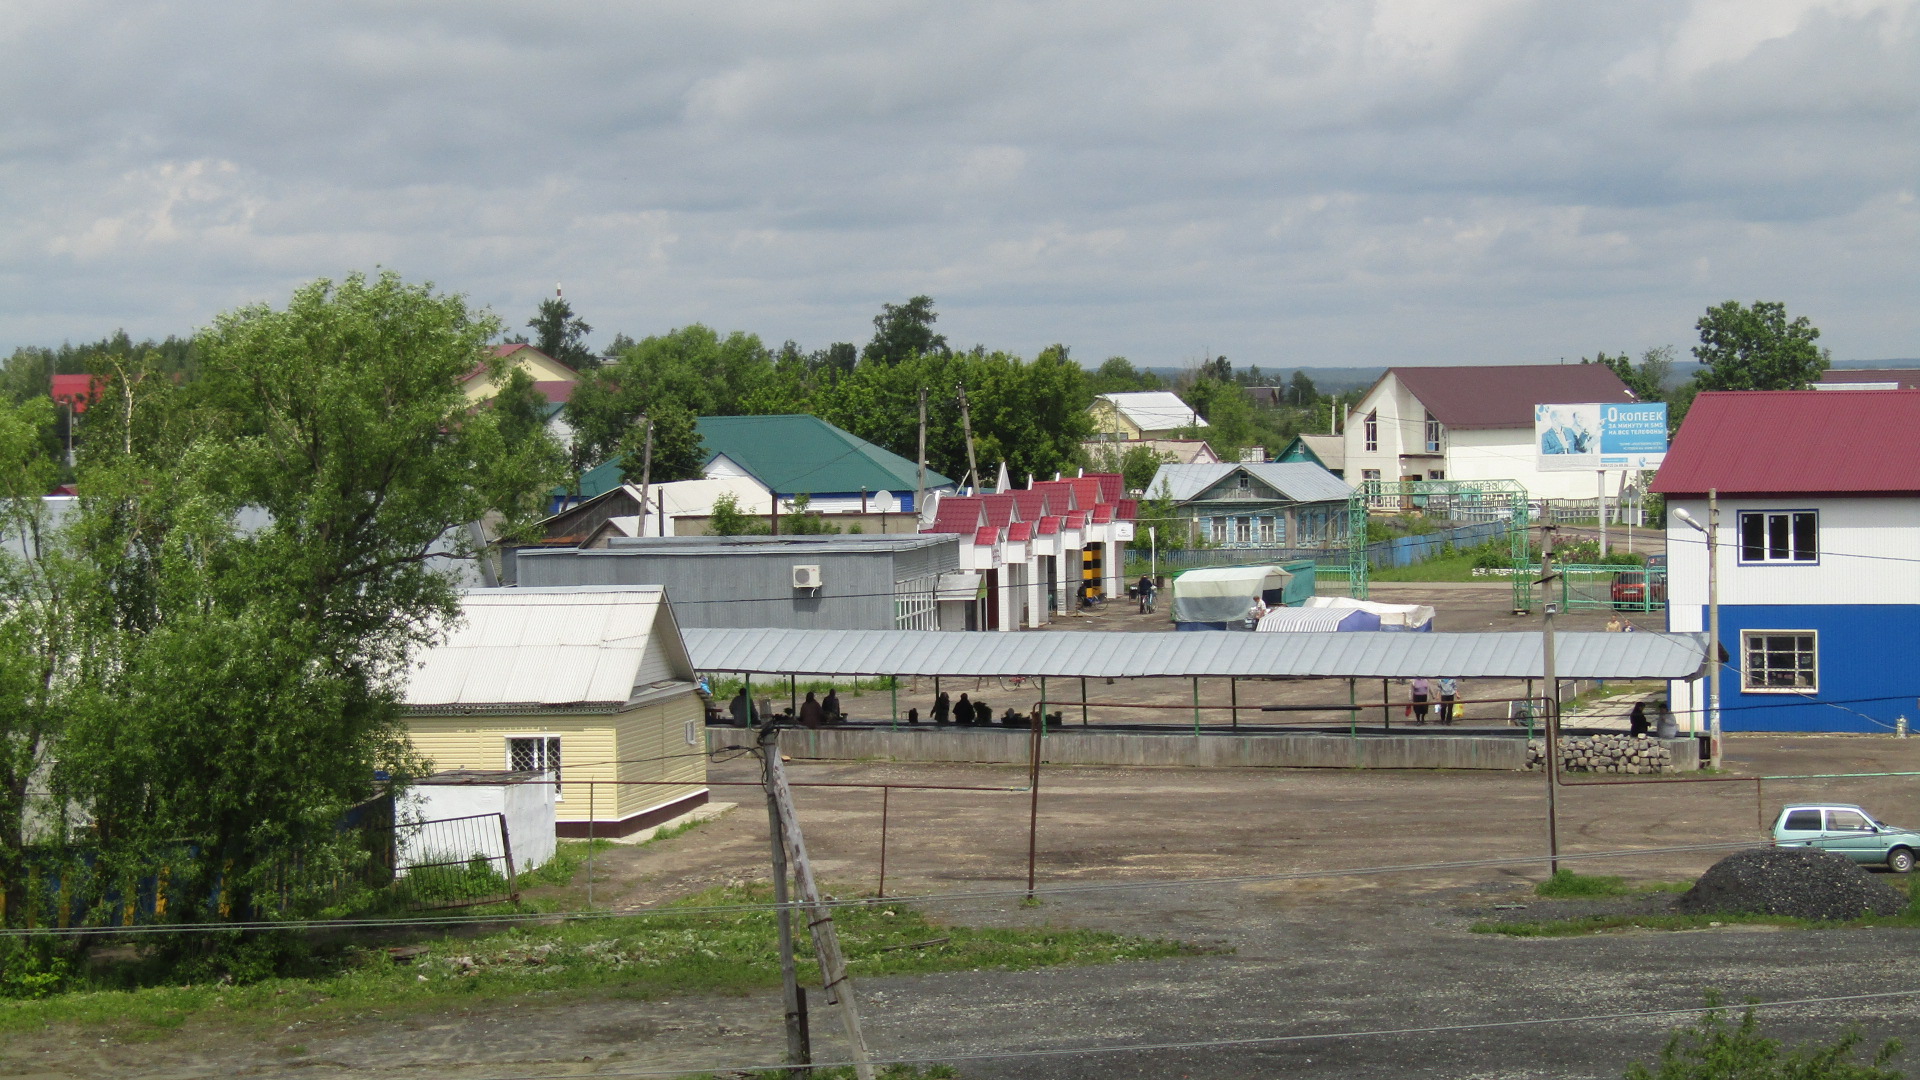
(1325, 184)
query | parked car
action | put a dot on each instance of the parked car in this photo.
(1847, 830)
(1635, 589)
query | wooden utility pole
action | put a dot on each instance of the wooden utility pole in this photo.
(646, 476)
(799, 1053)
(920, 493)
(1550, 604)
(966, 428)
(826, 942)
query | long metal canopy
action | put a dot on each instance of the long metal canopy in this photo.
(1128, 655)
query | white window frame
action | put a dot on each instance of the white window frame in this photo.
(1370, 431)
(1433, 434)
(549, 750)
(1767, 518)
(1748, 683)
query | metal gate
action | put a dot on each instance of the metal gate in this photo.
(1502, 500)
(454, 862)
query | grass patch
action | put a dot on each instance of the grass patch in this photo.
(569, 858)
(1455, 567)
(1565, 884)
(645, 957)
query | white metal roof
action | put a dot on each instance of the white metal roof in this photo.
(1300, 481)
(548, 647)
(1127, 655)
(1155, 410)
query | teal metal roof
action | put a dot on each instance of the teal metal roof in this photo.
(800, 454)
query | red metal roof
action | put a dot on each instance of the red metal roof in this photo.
(1032, 503)
(1086, 489)
(1049, 526)
(987, 536)
(1001, 509)
(556, 391)
(1076, 520)
(1019, 532)
(1129, 510)
(1112, 485)
(1103, 513)
(1857, 442)
(1060, 495)
(1486, 396)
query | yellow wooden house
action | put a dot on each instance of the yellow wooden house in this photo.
(590, 685)
(552, 378)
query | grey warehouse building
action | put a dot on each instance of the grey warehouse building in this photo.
(879, 582)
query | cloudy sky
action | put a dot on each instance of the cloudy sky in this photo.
(1307, 183)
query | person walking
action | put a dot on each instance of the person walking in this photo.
(1145, 591)
(811, 714)
(1449, 690)
(1422, 693)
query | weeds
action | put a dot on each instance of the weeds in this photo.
(1711, 1047)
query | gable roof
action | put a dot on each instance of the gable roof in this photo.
(798, 454)
(1299, 481)
(547, 648)
(1488, 396)
(1753, 442)
(1154, 410)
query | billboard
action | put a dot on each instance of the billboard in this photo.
(1600, 435)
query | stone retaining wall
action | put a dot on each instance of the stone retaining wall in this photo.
(1633, 755)
(1304, 750)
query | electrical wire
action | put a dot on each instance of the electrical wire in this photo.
(924, 898)
(1263, 1040)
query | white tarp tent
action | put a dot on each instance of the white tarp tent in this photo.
(1392, 616)
(1223, 594)
(1322, 620)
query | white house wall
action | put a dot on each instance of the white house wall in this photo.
(1864, 548)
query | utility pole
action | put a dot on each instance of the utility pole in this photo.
(826, 942)
(920, 493)
(1714, 651)
(966, 427)
(799, 1053)
(1548, 675)
(646, 475)
(1603, 515)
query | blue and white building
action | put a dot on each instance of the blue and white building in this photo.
(1818, 536)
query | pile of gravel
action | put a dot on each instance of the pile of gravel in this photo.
(1800, 883)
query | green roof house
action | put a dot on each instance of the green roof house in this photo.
(804, 455)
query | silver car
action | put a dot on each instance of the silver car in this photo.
(1845, 829)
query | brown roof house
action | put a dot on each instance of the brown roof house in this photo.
(1470, 423)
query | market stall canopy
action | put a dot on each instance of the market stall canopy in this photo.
(1127, 655)
(1392, 616)
(1222, 594)
(1289, 620)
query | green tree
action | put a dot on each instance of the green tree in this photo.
(1757, 348)
(1713, 1049)
(727, 519)
(904, 330)
(561, 334)
(1647, 379)
(692, 369)
(1136, 463)
(1172, 531)
(1301, 393)
(1117, 375)
(677, 450)
(271, 542)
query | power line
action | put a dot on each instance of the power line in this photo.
(924, 898)
(1274, 1040)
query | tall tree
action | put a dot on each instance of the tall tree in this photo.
(1301, 393)
(904, 330)
(1757, 348)
(1117, 375)
(559, 333)
(1647, 379)
(273, 540)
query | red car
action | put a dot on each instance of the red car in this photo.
(1639, 590)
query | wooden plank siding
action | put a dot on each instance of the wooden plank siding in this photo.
(647, 743)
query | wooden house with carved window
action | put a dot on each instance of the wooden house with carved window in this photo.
(1288, 504)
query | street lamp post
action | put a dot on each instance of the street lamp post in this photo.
(1711, 531)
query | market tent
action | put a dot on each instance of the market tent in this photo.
(1392, 616)
(1317, 620)
(1221, 595)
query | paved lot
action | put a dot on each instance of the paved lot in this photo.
(1340, 953)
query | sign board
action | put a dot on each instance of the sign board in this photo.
(1606, 435)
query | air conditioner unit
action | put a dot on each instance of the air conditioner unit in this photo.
(806, 577)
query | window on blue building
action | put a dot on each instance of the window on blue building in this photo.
(1780, 660)
(1779, 536)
